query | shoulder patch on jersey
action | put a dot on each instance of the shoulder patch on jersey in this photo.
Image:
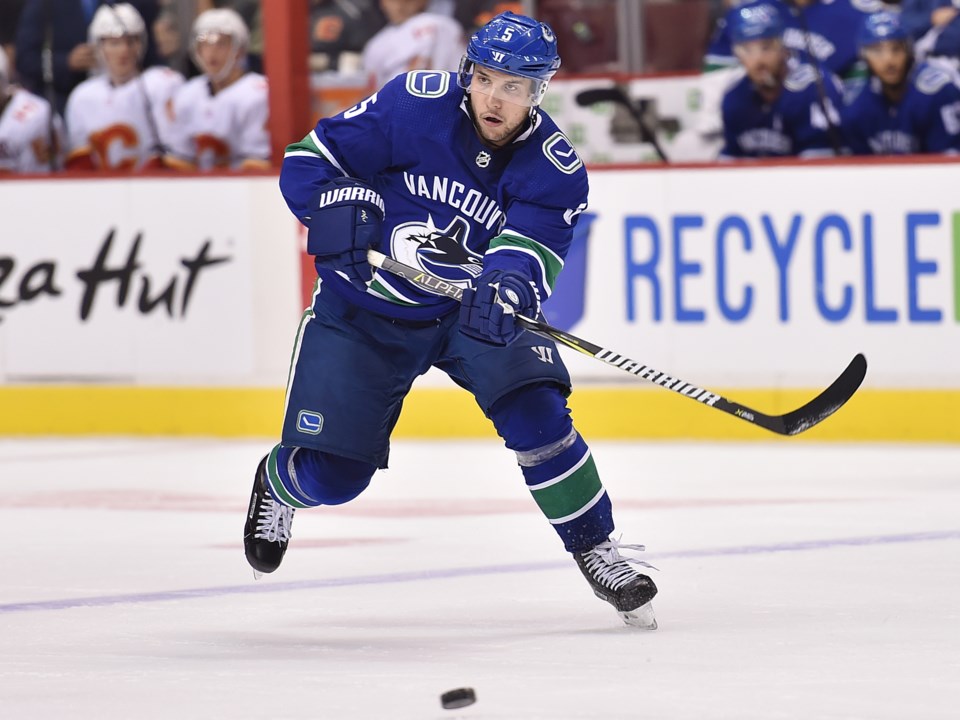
(428, 83)
(800, 78)
(867, 6)
(930, 80)
(561, 153)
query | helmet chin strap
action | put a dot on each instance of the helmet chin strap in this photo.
(227, 69)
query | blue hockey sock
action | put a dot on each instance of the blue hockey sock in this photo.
(568, 490)
(302, 477)
(559, 470)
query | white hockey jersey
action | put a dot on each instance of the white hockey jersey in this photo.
(424, 42)
(226, 130)
(121, 127)
(25, 134)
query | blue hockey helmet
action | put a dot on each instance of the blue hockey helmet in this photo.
(755, 21)
(880, 26)
(517, 45)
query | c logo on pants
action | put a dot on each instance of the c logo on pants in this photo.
(309, 422)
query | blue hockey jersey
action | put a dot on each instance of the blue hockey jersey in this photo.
(930, 41)
(926, 120)
(794, 124)
(833, 27)
(452, 203)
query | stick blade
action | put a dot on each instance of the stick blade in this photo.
(592, 96)
(829, 401)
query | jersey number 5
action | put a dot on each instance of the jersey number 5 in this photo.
(360, 107)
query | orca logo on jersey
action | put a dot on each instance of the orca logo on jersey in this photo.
(439, 251)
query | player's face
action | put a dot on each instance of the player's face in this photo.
(215, 53)
(399, 11)
(501, 104)
(120, 56)
(888, 60)
(762, 60)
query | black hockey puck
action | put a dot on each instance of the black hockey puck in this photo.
(461, 697)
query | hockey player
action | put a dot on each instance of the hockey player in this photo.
(413, 40)
(29, 137)
(934, 27)
(780, 108)
(822, 29)
(220, 117)
(906, 107)
(120, 119)
(461, 174)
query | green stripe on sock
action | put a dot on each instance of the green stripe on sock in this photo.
(273, 477)
(571, 494)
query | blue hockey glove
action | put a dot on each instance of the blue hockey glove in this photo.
(344, 223)
(488, 314)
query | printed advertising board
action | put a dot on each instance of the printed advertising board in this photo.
(181, 296)
(771, 276)
(145, 281)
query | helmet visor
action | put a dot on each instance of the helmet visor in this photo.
(215, 53)
(506, 87)
(884, 48)
(758, 48)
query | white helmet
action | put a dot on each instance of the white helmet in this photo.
(113, 21)
(211, 24)
(221, 21)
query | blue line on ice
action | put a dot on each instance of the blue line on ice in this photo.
(441, 574)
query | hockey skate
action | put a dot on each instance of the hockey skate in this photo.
(266, 532)
(613, 580)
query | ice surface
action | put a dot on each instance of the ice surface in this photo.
(796, 580)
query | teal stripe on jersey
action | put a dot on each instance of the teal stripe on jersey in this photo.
(387, 294)
(307, 145)
(550, 263)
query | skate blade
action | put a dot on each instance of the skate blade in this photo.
(257, 574)
(642, 618)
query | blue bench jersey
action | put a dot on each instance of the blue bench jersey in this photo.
(450, 200)
(833, 27)
(915, 18)
(793, 125)
(926, 120)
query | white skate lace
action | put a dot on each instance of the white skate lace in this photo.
(274, 522)
(609, 567)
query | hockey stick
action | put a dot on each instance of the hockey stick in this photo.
(616, 95)
(818, 409)
(157, 146)
(833, 132)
